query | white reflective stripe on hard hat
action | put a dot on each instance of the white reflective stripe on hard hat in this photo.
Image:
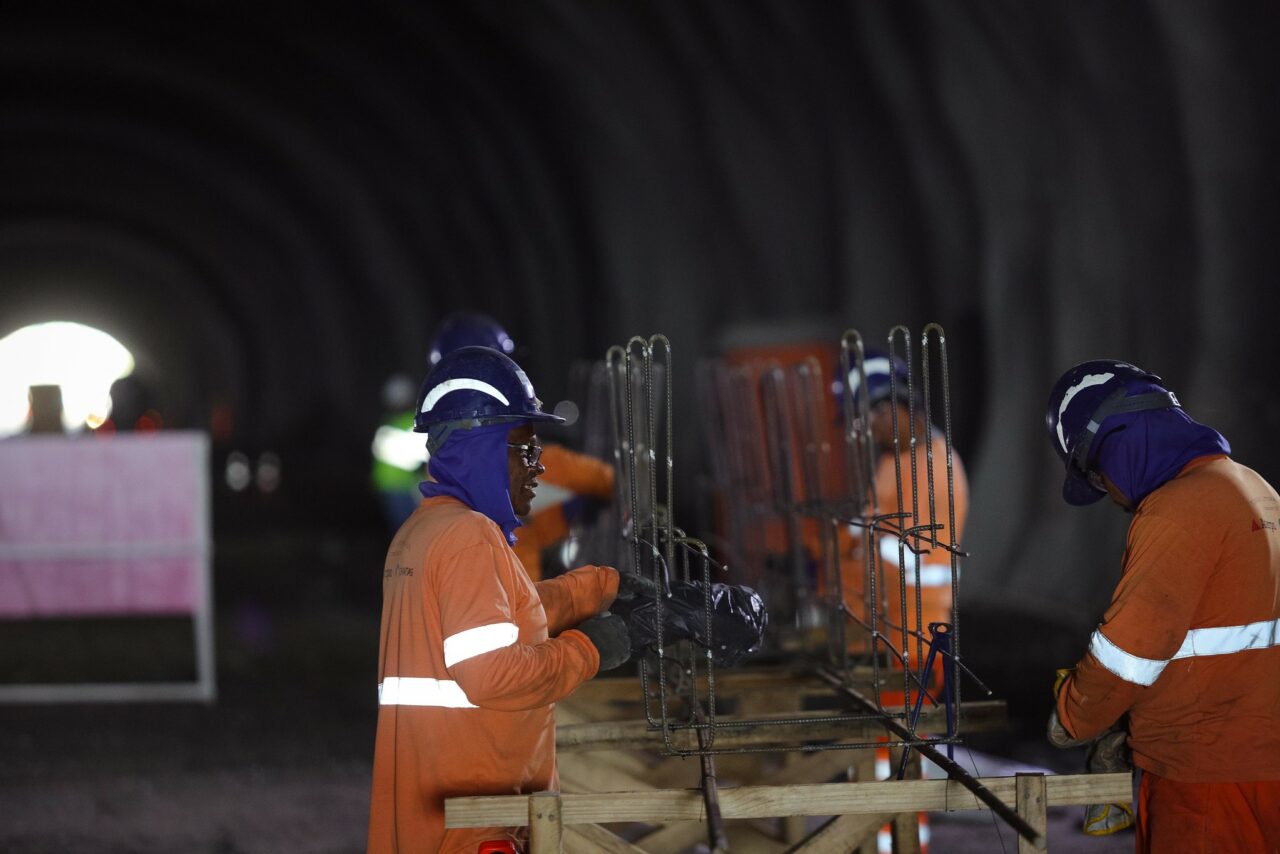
(878, 366)
(478, 641)
(462, 383)
(1222, 640)
(1087, 381)
(931, 574)
(415, 691)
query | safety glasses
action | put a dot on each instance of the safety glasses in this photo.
(530, 452)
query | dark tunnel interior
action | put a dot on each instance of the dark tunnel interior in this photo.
(272, 206)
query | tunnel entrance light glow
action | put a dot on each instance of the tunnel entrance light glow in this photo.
(82, 360)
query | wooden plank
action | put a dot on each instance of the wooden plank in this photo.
(670, 805)
(636, 734)
(546, 831)
(905, 827)
(793, 826)
(818, 767)
(746, 838)
(592, 838)
(676, 836)
(865, 772)
(1031, 797)
(842, 835)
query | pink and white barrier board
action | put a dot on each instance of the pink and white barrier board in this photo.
(104, 525)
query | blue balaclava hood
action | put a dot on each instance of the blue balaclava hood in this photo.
(471, 466)
(1141, 451)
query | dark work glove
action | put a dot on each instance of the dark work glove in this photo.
(1058, 735)
(631, 585)
(610, 637)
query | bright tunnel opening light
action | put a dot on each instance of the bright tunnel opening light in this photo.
(82, 360)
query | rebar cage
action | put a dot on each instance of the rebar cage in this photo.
(796, 506)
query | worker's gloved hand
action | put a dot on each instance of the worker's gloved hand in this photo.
(1106, 819)
(1055, 731)
(610, 637)
(631, 585)
(1058, 735)
(1108, 754)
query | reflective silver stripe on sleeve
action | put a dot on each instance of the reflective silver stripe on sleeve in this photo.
(1130, 668)
(1222, 640)
(478, 641)
(1228, 639)
(931, 574)
(413, 691)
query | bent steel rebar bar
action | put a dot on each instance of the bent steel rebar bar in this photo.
(776, 469)
(861, 630)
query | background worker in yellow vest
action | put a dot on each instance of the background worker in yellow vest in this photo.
(572, 481)
(399, 454)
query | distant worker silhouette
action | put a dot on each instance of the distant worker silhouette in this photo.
(887, 391)
(399, 454)
(46, 408)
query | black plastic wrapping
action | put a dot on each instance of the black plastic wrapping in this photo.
(738, 620)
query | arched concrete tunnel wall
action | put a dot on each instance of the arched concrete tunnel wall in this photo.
(272, 204)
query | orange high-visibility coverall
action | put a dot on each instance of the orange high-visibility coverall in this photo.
(1190, 648)
(935, 566)
(568, 474)
(473, 656)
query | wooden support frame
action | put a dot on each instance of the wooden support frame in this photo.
(598, 727)
(666, 806)
(1032, 801)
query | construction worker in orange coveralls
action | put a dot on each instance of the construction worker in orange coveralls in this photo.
(571, 479)
(473, 654)
(883, 397)
(1189, 649)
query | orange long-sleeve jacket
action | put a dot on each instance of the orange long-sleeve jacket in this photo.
(1190, 645)
(473, 656)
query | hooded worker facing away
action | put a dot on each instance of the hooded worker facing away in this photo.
(1189, 649)
(473, 654)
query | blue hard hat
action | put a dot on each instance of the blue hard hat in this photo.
(467, 329)
(887, 376)
(1081, 402)
(477, 385)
